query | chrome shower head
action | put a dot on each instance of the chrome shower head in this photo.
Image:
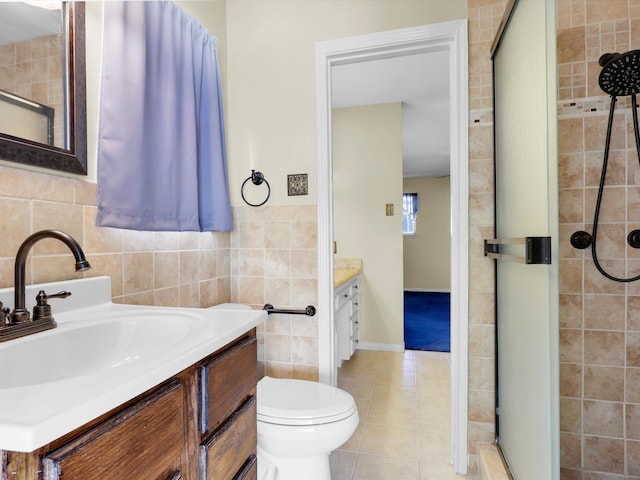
(620, 75)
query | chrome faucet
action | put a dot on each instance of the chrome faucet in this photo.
(19, 323)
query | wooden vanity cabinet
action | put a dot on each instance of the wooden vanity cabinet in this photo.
(228, 414)
(142, 442)
(200, 424)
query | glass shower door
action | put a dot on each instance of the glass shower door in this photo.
(526, 205)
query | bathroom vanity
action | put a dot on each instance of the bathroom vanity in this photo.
(199, 422)
(347, 314)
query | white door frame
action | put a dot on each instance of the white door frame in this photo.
(451, 36)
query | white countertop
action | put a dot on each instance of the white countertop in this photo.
(32, 415)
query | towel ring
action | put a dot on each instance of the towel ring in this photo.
(257, 178)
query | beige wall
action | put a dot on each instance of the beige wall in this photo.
(427, 264)
(271, 77)
(367, 174)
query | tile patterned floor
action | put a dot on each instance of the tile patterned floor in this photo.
(404, 405)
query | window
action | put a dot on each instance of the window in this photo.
(409, 212)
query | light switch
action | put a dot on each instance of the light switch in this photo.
(389, 209)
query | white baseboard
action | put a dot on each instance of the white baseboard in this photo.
(385, 347)
(428, 290)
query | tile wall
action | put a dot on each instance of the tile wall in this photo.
(599, 318)
(484, 18)
(162, 268)
(274, 259)
(33, 69)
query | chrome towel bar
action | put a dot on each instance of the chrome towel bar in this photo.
(537, 250)
(309, 311)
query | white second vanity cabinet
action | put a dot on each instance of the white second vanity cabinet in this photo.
(199, 424)
(346, 316)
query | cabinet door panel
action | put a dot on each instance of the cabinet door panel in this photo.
(226, 381)
(249, 471)
(143, 442)
(224, 454)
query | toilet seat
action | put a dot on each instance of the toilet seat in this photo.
(300, 402)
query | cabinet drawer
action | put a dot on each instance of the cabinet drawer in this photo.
(143, 442)
(232, 446)
(226, 381)
(353, 328)
(353, 305)
(341, 298)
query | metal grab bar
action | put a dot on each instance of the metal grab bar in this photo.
(537, 250)
(309, 311)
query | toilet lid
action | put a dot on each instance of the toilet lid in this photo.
(300, 402)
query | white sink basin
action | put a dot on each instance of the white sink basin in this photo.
(86, 348)
(99, 357)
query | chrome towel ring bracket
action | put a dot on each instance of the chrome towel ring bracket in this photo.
(257, 178)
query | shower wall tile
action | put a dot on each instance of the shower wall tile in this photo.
(599, 11)
(570, 311)
(604, 347)
(571, 170)
(570, 415)
(603, 454)
(482, 407)
(603, 418)
(632, 381)
(570, 450)
(571, 44)
(612, 239)
(613, 207)
(570, 380)
(571, 207)
(616, 168)
(632, 457)
(604, 383)
(595, 282)
(632, 421)
(604, 312)
(571, 139)
(570, 345)
(570, 276)
(633, 349)
(633, 313)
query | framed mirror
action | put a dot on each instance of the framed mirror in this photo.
(43, 120)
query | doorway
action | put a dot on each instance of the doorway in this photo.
(451, 36)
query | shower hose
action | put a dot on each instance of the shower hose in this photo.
(620, 76)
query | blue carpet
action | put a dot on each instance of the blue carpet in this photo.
(426, 321)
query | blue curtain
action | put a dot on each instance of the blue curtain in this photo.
(161, 148)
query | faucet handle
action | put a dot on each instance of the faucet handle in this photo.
(4, 314)
(43, 297)
(42, 310)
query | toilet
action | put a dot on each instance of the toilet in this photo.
(299, 423)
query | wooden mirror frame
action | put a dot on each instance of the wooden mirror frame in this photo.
(74, 158)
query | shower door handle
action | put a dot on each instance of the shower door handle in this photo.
(537, 250)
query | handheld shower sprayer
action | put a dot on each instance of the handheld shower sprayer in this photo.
(620, 76)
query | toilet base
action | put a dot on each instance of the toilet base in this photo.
(307, 468)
